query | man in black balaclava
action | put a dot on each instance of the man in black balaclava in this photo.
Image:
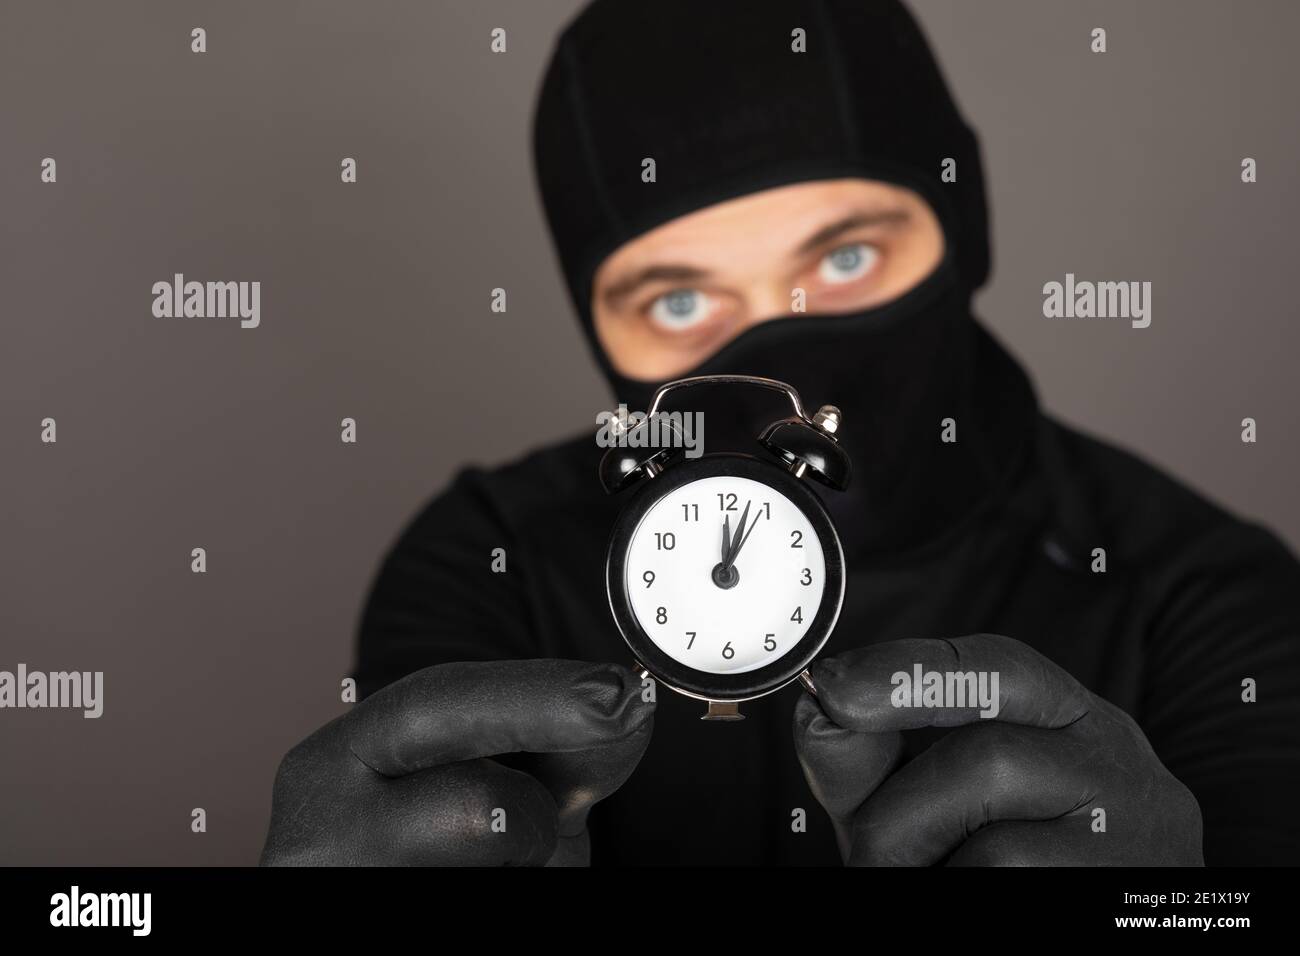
(758, 188)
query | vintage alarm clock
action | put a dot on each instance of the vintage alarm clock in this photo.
(724, 572)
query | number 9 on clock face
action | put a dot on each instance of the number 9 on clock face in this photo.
(726, 584)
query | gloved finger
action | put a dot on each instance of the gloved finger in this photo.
(472, 813)
(579, 779)
(973, 777)
(863, 690)
(842, 767)
(461, 711)
(1062, 842)
(1112, 827)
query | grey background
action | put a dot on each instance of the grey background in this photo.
(178, 434)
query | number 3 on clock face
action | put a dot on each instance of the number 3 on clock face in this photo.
(726, 579)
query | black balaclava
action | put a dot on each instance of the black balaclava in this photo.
(715, 93)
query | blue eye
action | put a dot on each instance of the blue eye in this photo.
(848, 263)
(680, 309)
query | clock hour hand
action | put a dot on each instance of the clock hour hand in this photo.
(723, 574)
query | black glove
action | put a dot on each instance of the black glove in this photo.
(1017, 789)
(408, 776)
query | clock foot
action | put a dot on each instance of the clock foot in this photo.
(723, 710)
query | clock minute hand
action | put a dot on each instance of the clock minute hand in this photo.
(742, 535)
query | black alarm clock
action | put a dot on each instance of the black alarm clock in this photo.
(724, 572)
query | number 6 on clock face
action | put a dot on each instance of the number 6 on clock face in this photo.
(725, 576)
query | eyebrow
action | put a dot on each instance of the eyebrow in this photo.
(684, 273)
(661, 273)
(855, 220)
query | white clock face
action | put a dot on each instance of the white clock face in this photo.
(714, 595)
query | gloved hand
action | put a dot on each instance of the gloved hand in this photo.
(417, 773)
(1018, 789)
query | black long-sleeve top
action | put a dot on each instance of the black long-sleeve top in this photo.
(1192, 602)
